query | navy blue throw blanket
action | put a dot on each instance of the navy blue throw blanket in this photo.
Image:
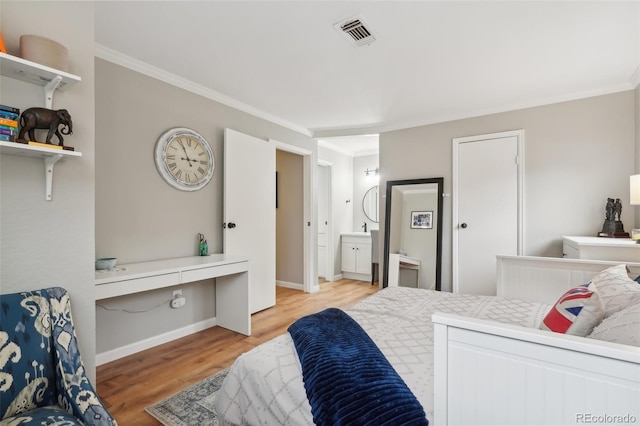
(347, 379)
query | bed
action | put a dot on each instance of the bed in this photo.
(467, 359)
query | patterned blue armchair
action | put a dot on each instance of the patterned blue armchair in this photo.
(42, 378)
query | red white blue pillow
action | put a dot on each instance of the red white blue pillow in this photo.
(577, 312)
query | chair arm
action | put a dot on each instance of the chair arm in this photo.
(74, 390)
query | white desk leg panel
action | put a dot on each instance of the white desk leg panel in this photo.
(232, 303)
(394, 270)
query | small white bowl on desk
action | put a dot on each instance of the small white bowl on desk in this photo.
(106, 263)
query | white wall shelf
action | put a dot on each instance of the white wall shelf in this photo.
(49, 155)
(51, 80)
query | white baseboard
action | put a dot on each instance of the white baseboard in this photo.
(294, 286)
(141, 345)
(354, 276)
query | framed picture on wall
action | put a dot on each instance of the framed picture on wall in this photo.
(422, 220)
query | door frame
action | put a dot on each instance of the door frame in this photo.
(310, 231)
(519, 135)
(330, 249)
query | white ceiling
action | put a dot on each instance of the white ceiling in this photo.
(432, 61)
(355, 146)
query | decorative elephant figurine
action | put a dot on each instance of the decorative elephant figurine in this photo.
(44, 118)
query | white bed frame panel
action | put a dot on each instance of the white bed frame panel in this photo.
(491, 373)
(545, 279)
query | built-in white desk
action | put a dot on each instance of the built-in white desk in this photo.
(231, 274)
(397, 261)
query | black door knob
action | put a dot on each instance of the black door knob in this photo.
(231, 225)
(463, 225)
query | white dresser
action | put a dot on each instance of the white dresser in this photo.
(601, 248)
(356, 256)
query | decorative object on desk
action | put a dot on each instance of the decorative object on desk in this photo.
(612, 227)
(422, 220)
(106, 263)
(44, 118)
(44, 51)
(203, 247)
(184, 159)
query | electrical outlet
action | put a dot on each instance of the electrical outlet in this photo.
(178, 300)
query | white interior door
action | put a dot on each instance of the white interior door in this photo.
(487, 209)
(249, 211)
(323, 221)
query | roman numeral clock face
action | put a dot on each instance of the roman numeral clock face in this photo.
(184, 159)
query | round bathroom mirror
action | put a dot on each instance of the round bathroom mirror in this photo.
(370, 204)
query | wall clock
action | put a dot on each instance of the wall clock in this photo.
(184, 159)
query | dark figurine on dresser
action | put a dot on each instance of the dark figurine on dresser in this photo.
(44, 118)
(612, 226)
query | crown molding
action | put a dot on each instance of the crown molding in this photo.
(381, 128)
(123, 60)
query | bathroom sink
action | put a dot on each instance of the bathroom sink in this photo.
(356, 234)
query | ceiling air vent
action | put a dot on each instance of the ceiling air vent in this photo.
(356, 31)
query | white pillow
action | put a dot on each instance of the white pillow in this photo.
(616, 289)
(621, 327)
(577, 312)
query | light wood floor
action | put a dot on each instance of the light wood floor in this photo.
(130, 384)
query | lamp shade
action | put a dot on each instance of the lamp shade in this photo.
(634, 190)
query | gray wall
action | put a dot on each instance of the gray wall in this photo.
(139, 217)
(51, 243)
(361, 184)
(290, 219)
(576, 155)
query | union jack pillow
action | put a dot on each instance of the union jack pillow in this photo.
(577, 312)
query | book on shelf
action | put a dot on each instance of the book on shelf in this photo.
(43, 145)
(50, 146)
(9, 115)
(8, 138)
(11, 109)
(5, 130)
(9, 123)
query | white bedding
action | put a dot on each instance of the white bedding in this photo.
(265, 386)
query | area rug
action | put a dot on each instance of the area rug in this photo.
(192, 406)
